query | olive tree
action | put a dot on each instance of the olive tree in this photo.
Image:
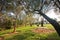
(38, 5)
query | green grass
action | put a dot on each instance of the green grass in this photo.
(25, 33)
(49, 26)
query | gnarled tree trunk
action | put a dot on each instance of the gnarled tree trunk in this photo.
(52, 22)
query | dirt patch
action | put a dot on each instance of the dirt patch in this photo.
(1, 38)
(43, 30)
(9, 34)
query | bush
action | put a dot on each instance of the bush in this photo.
(6, 24)
(19, 22)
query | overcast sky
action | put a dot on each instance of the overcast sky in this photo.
(53, 15)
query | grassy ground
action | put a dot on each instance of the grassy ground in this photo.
(25, 33)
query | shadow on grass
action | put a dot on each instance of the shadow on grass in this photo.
(28, 35)
(25, 36)
(53, 36)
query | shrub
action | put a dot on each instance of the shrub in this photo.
(8, 24)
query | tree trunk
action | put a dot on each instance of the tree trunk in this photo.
(14, 24)
(52, 22)
(42, 22)
(14, 29)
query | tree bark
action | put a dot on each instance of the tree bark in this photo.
(42, 22)
(52, 22)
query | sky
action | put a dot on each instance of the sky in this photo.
(50, 14)
(53, 15)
